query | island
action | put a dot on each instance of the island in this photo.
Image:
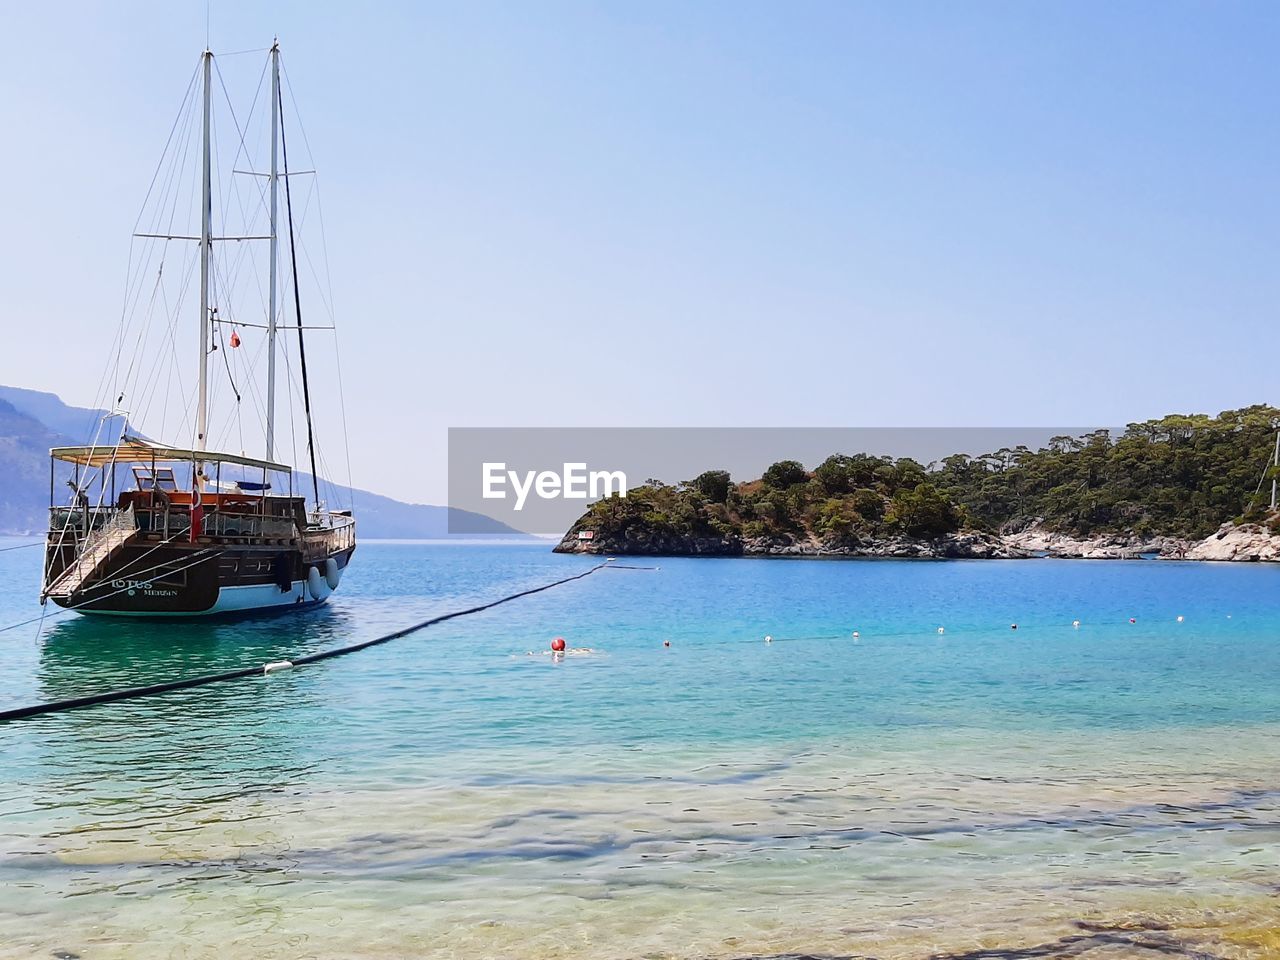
(1179, 487)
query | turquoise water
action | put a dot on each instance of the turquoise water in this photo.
(1110, 787)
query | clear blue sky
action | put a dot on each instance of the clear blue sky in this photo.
(700, 213)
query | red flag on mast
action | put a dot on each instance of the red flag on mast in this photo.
(197, 513)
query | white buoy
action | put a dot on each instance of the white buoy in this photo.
(941, 630)
(856, 634)
(276, 665)
(316, 585)
(768, 639)
(1076, 624)
(1180, 618)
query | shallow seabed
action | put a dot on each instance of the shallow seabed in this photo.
(1103, 791)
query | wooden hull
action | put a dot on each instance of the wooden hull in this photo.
(145, 579)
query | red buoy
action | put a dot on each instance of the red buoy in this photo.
(558, 644)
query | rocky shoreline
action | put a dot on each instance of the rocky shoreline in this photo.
(1231, 542)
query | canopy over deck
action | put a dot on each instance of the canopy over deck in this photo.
(137, 450)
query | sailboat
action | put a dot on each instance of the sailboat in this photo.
(182, 530)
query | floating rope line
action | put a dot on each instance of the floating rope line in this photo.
(976, 629)
(39, 619)
(134, 693)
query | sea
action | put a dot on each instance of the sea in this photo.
(970, 760)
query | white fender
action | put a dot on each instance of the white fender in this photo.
(332, 575)
(316, 585)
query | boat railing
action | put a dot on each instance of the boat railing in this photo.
(250, 525)
(91, 553)
(175, 520)
(335, 533)
(71, 520)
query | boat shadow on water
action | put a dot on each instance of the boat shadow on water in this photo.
(226, 739)
(85, 655)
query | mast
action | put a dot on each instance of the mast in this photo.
(275, 256)
(1275, 466)
(206, 243)
(297, 312)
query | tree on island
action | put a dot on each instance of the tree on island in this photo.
(1178, 476)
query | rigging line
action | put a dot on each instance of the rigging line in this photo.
(39, 619)
(320, 286)
(169, 202)
(292, 383)
(127, 386)
(175, 366)
(337, 347)
(152, 383)
(302, 127)
(44, 611)
(236, 53)
(251, 386)
(107, 596)
(184, 105)
(126, 569)
(342, 411)
(224, 197)
(157, 294)
(242, 149)
(134, 693)
(78, 486)
(289, 385)
(297, 311)
(328, 302)
(155, 291)
(181, 120)
(145, 571)
(324, 253)
(21, 546)
(226, 363)
(231, 276)
(231, 377)
(1262, 479)
(235, 266)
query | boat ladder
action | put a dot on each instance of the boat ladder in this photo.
(101, 546)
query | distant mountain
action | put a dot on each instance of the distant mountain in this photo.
(24, 470)
(60, 418)
(32, 421)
